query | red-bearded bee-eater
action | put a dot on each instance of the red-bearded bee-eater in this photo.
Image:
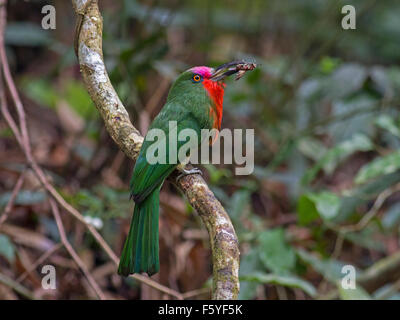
(195, 101)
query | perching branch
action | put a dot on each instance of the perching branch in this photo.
(224, 243)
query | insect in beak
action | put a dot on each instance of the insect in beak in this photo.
(227, 69)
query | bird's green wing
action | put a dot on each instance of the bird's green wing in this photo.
(147, 176)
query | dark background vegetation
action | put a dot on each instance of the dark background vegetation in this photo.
(324, 105)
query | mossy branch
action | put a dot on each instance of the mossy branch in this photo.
(224, 243)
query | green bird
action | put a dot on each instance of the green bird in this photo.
(195, 101)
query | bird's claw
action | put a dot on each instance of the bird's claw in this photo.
(186, 172)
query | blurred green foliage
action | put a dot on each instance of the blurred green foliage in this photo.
(7, 249)
(323, 102)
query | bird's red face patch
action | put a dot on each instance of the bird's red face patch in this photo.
(216, 92)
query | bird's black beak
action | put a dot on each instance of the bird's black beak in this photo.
(227, 69)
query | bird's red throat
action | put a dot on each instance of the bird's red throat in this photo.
(216, 92)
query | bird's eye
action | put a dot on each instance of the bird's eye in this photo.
(196, 78)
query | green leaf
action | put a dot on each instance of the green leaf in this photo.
(387, 122)
(7, 249)
(306, 210)
(24, 197)
(358, 114)
(250, 263)
(216, 174)
(6, 133)
(102, 202)
(41, 91)
(313, 205)
(78, 98)
(275, 253)
(378, 167)
(330, 269)
(239, 206)
(328, 64)
(282, 280)
(391, 218)
(366, 239)
(330, 160)
(346, 80)
(312, 148)
(26, 34)
(352, 294)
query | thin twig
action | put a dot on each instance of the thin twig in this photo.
(380, 200)
(338, 246)
(365, 220)
(13, 196)
(14, 94)
(197, 292)
(6, 114)
(15, 285)
(381, 272)
(344, 230)
(40, 260)
(390, 291)
(71, 251)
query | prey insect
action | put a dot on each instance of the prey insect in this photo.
(242, 68)
(227, 69)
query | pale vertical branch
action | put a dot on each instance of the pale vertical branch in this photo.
(224, 243)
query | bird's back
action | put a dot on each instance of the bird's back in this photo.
(173, 116)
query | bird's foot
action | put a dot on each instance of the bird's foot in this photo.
(186, 172)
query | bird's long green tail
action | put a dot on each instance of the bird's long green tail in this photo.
(140, 253)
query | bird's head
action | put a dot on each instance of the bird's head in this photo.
(204, 83)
